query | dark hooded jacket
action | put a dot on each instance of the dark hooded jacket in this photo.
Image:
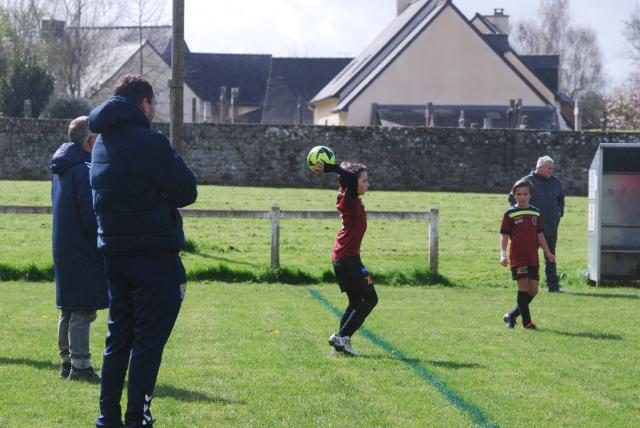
(548, 197)
(79, 268)
(138, 182)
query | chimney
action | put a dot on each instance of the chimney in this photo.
(500, 20)
(403, 4)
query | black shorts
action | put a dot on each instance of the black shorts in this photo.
(351, 274)
(522, 272)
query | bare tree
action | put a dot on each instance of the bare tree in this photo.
(632, 34)
(23, 19)
(581, 69)
(147, 12)
(76, 48)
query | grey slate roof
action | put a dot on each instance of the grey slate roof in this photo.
(378, 50)
(447, 116)
(545, 67)
(294, 79)
(402, 30)
(207, 72)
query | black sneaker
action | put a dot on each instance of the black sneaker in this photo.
(555, 289)
(85, 375)
(65, 368)
(509, 321)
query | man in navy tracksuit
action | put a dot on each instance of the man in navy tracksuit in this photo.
(81, 286)
(138, 183)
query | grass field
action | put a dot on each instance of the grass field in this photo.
(256, 355)
(469, 239)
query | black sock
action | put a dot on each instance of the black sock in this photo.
(523, 305)
(515, 312)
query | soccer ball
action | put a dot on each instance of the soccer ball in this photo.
(320, 153)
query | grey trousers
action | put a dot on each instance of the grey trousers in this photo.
(73, 337)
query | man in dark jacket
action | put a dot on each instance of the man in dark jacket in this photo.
(548, 197)
(81, 286)
(138, 183)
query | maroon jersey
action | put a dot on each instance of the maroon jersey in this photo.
(354, 224)
(522, 225)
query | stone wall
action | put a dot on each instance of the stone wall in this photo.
(397, 158)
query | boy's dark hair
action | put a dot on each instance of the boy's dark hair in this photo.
(134, 86)
(523, 182)
(358, 168)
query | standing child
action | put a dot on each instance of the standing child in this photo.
(353, 278)
(523, 224)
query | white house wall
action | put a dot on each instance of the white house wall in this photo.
(322, 114)
(158, 72)
(447, 64)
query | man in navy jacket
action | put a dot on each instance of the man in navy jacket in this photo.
(81, 286)
(138, 183)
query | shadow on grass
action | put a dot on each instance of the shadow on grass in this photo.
(181, 394)
(227, 260)
(604, 295)
(586, 335)
(47, 365)
(452, 365)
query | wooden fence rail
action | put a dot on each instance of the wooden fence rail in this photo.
(275, 215)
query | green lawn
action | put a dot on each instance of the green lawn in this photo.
(256, 355)
(469, 238)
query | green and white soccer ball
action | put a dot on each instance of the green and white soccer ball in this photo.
(320, 153)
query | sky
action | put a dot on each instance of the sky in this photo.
(342, 28)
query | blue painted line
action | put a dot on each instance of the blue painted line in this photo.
(478, 416)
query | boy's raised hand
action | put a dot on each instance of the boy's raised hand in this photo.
(319, 167)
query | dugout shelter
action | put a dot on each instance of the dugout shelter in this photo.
(614, 215)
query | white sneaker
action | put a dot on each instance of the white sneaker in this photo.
(336, 353)
(338, 342)
(348, 349)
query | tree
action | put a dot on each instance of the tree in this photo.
(581, 69)
(77, 47)
(623, 109)
(21, 28)
(632, 34)
(25, 80)
(147, 12)
(88, 41)
(66, 107)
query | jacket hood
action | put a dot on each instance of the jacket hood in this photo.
(116, 110)
(68, 155)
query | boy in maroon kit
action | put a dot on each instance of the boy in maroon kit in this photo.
(353, 278)
(523, 224)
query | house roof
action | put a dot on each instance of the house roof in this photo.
(207, 72)
(372, 61)
(294, 80)
(114, 47)
(107, 64)
(111, 37)
(545, 67)
(448, 115)
(490, 25)
(361, 67)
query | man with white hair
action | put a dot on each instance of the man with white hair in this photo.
(548, 197)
